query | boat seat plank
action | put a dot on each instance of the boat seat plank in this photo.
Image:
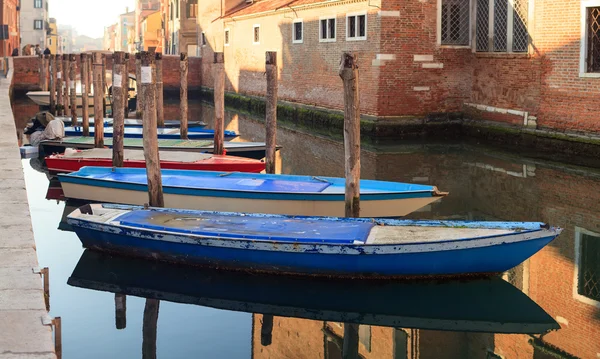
(256, 228)
(419, 234)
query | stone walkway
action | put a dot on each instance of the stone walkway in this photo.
(22, 309)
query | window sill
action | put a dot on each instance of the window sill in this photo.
(297, 41)
(503, 55)
(356, 38)
(454, 46)
(327, 40)
(590, 74)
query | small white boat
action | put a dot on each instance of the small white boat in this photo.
(42, 98)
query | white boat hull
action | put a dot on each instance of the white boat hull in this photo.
(373, 208)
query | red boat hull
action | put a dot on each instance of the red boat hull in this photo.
(60, 164)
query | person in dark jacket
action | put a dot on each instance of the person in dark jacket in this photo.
(15, 52)
(47, 52)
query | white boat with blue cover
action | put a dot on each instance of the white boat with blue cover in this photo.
(163, 133)
(310, 245)
(243, 192)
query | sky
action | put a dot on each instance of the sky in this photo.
(89, 17)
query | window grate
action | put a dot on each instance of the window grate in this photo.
(500, 24)
(455, 22)
(589, 267)
(593, 30)
(520, 34)
(483, 23)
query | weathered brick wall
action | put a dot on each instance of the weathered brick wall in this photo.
(26, 75)
(424, 77)
(308, 71)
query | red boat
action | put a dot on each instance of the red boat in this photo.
(73, 160)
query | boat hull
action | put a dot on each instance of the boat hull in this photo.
(42, 98)
(163, 133)
(341, 260)
(368, 208)
(228, 163)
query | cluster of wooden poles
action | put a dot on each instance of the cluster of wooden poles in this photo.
(149, 89)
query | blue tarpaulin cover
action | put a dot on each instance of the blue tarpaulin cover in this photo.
(258, 228)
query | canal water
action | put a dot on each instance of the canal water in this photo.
(216, 314)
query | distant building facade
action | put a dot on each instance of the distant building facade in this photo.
(110, 36)
(151, 31)
(125, 32)
(188, 29)
(34, 22)
(142, 9)
(52, 41)
(67, 37)
(9, 26)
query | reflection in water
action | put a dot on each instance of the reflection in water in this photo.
(483, 184)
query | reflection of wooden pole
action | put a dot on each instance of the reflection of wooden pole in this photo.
(150, 135)
(149, 326)
(350, 347)
(160, 111)
(183, 96)
(120, 311)
(73, 89)
(59, 85)
(67, 85)
(98, 97)
(125, 75)
(349, 74)
(219, 93)
(52, 68)
(90, 71)
(271, 110)
(85, 88)
(266, 330)
(138, 76)
(118, 93)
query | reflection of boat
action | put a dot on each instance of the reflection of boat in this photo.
(482, 305)
(310, 245)
(248, 192)
(55, 191)
(102, 157)
(254, 150)
(163, 133)
(130, 122)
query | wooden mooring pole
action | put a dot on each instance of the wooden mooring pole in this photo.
(118, 93)
(52, 68)
(149, 327)
(98, 101)
(155, 192)
(67, 98)
(160, 110)
(120, 311)
(85, 89)
(349, 74)
(73, 89)
(125, 76)
(138, 76)
(219, 93)
(44, 72)
(103, 58)
(271, 110)
(59, 85)
(183, 96)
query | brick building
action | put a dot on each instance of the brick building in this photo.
(9, 26)
(510, 61)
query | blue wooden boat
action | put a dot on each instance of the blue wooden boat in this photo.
(242, 192)
(163, 133)
(330, 246)
(489, 305)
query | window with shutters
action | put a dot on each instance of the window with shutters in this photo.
(327, 29)
(37, 24)
(356, 27)
(37, 4)
(256, 35)
(454, 22)
(501, 26)
(192, 9)
(203, 39)
(587, 266)
(590, 39)
(297, 31)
